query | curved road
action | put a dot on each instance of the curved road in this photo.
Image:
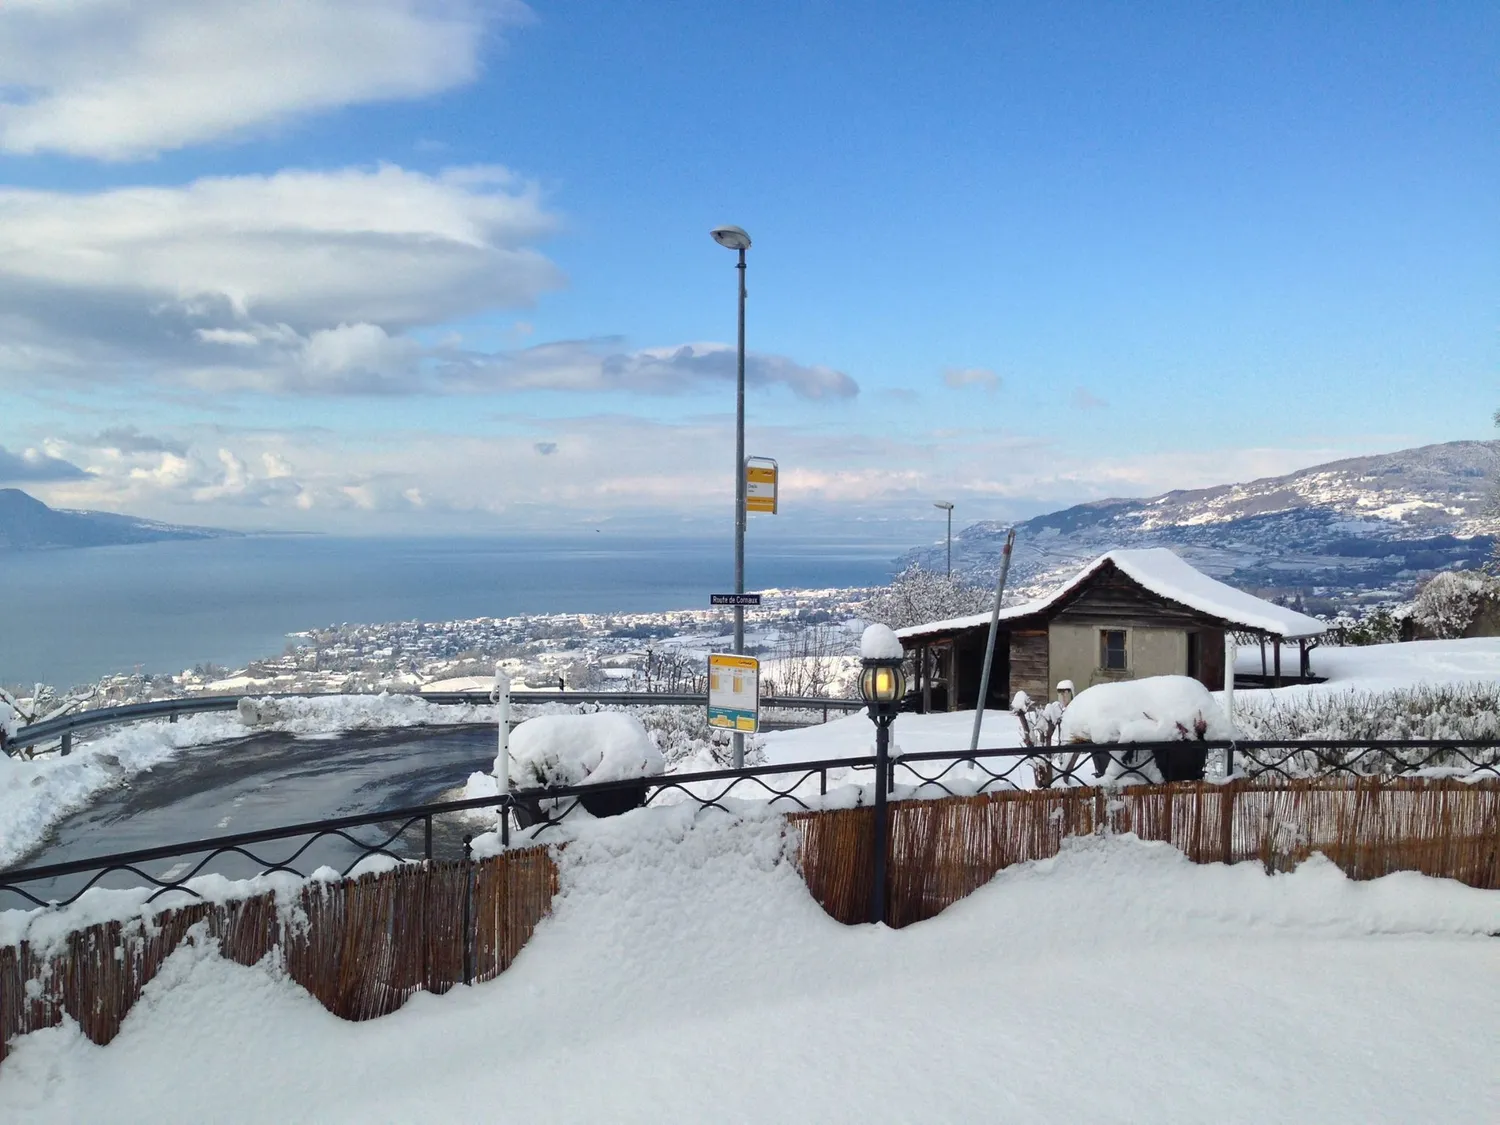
(265, 781)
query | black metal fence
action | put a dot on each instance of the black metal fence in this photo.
(442, 830)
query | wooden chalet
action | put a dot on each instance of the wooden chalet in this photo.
(1126, 615)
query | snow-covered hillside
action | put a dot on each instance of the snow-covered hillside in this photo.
(1366, 526)
(687, 975)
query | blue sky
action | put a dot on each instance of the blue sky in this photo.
(399, 266)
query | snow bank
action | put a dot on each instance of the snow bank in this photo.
(582, 749)
(685, 966)
(1153, 709)
(34, 795)
(1387, 667)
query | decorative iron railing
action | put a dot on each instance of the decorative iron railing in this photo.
(442, 830)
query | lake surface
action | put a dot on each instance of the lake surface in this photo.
(71, 616)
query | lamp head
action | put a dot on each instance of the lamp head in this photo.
(731, 237)
(882, 684)
(942, 504)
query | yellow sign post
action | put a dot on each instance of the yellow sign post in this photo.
(760, 485)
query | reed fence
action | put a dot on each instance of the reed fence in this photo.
(364, 945)
(944, 849)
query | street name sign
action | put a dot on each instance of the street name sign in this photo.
(734, 692)
(734, 599)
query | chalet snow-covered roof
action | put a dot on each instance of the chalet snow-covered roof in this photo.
(1163, 573)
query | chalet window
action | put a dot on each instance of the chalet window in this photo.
(1195, 655)
(1112, 650)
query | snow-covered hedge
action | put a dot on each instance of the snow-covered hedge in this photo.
(582, 749)
(1154, 709)
(1450, 603)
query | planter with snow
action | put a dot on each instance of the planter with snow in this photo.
(564, 750)
(1154, 709)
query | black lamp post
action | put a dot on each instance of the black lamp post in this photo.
(882, 683)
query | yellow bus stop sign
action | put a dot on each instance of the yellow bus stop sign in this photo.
(760, 485)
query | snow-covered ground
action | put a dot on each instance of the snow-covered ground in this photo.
(686, 975)
(34, 795)
(1386, 667)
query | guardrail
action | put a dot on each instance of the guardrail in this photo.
(65, 726)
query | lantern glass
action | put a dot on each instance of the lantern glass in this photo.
(882, 683)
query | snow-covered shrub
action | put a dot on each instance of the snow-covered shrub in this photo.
(688, 743)
(1463, 710)
(1379, 626)
(582, 749)
(917, 596)
(1451, 602)
(1153, 709)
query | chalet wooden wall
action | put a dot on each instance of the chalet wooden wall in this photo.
(1029, 663)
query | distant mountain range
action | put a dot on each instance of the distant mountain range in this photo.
(27, 524)
(1361, 530)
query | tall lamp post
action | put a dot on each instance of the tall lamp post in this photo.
(735, 238)
(882, 683)
(949, 507)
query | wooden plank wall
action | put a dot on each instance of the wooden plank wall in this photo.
(1029, 655)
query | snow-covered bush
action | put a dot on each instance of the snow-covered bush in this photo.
(917, 596)
(1153, 709)
(582, 749)
(10, 723)
(1451, 602)
(1463, 710)
(688, 743)
(1379, 626)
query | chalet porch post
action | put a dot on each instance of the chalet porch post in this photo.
(1276, 649)
(924, 677)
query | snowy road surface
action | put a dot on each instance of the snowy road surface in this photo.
(686, 975)
(265, 781)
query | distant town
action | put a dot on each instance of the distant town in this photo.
(662, 651)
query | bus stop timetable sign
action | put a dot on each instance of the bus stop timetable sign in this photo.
(734, 692)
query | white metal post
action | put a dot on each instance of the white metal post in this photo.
(1231, 651)
(501, 694)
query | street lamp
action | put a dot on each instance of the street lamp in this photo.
(735, 238)
(949, 507)
(882, 683)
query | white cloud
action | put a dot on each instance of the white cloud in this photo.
(120, 80)
(614, 467)
(960, 377)
(300, 280)
(1084, 399)
(594, 365)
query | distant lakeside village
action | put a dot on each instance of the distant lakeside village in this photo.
(807, 641)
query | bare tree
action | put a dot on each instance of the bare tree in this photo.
(917, 596)
(806, 662)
